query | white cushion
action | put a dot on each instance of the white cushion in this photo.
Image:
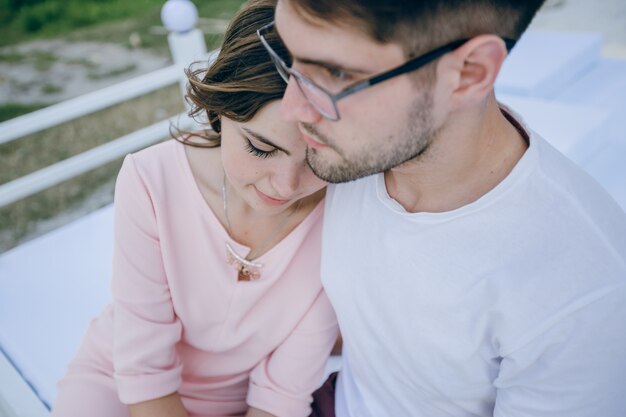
(543, 63)
(50, 288)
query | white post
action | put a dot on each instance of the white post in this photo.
(186, 42)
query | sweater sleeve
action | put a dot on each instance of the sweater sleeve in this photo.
(146, 328)
(282, 383)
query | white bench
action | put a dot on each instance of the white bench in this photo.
(50, 288)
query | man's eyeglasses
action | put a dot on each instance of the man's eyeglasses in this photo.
(324, 101)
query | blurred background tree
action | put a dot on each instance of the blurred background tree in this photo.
(31, 19)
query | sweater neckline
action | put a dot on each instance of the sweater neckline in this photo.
(212, 217)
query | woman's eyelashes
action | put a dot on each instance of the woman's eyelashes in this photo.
(261, 153)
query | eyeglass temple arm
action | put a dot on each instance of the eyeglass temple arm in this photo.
(410, 66)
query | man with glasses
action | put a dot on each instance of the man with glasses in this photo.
(475, 271)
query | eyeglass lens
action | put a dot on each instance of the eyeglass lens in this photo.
(317, 97)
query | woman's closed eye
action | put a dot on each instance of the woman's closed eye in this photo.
(260, 150)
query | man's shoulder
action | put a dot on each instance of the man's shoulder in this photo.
(565, 176)
(572, 198)
(351, 192)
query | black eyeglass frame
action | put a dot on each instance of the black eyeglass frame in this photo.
(409, 66)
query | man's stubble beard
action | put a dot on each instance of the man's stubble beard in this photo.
(410, 144)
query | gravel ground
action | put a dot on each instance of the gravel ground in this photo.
(54, 70)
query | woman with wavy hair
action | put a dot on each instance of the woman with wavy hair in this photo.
(217, 309)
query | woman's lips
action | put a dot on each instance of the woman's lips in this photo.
(270, 200)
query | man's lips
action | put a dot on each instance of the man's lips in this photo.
(312, 142)
(270, 200)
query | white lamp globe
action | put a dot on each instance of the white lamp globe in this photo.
(179, 15)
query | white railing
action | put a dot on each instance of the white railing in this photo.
(98, 156)
(89, 103)
(186, 44)
(88, 160)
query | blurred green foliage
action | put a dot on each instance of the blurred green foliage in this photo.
(11, 110)
(52, 16)
(27, 19)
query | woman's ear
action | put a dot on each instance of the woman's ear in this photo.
(474, 66)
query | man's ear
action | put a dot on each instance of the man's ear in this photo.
(472, 69)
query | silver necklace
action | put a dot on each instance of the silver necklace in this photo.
(247, 269)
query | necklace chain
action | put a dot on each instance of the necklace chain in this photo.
(246, 267)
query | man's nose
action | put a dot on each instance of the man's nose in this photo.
(295, 107)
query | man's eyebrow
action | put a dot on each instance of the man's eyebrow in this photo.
(263, 139)
(330, 65)
(323, 64)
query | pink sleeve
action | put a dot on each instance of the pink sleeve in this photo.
(146, 328)
(283, 382)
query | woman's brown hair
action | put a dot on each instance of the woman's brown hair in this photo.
(242, 79)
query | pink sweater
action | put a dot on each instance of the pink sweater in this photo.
(181, 321)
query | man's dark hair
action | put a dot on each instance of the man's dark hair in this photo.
(421, 25)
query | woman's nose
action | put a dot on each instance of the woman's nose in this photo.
(286, 180)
